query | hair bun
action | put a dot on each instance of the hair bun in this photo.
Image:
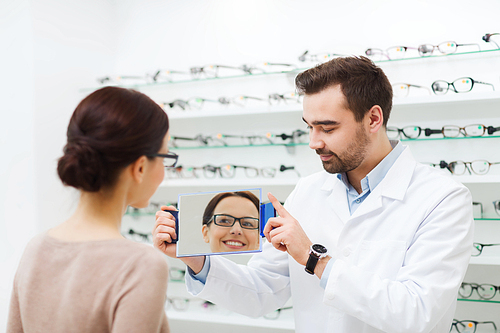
(81, 166)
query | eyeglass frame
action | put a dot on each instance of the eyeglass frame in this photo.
(480, 247)
(475, 286)
(424, 54)
(236, 219)
(169, 155)
(409, 85)
(401, 130)
(452, 84)
(470, 169)
(455, 322)
(429, 131)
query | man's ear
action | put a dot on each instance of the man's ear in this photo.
(138, 169)
(204, 231)
(376, 118)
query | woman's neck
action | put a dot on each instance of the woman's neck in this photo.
(97, 217)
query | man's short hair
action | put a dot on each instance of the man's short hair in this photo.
(361, 81)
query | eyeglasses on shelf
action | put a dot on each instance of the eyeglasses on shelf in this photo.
(479, 167)
(496, 205)
(276, 313)
(176, 274)
(178, 303)
(391, 53)
(460, 85)
(485, 290)
(493, 38)
(469, 326)
(122, 79)
(318, 57)
(240, 100)
(139, 236)
(403, 89)
(452, 131)
(275, 99)
(477, 248)
(167, 75)
(447, 47)
(410, 132)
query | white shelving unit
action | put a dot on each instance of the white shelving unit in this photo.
(478, 106)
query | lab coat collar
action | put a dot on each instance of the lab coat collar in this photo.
(394, 186)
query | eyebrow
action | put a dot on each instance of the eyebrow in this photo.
(322, 122)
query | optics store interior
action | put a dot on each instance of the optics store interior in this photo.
(224, 72)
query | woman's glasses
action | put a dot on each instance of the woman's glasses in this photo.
(224, 220)
(169, 159)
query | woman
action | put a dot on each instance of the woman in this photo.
(231, 222)
(83, 275)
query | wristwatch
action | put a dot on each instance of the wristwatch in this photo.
(316, 252)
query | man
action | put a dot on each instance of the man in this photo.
(398, 233)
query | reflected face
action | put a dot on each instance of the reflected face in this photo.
(235, 238)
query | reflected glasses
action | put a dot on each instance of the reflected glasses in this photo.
(444, 48)
(469, 326)
(451, 131)
(410, 132)
(460, 85)
(485, 291)
(224, 220)
(169, 159)
(477, 248)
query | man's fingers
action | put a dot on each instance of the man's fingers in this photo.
(277, 205)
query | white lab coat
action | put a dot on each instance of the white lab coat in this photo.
(400, 258)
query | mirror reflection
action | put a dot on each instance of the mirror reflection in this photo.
(219, 223)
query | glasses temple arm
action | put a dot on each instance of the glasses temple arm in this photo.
(485, 83)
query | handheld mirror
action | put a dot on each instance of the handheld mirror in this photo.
(224, 222)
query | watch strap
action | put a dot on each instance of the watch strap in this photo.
(311, 263)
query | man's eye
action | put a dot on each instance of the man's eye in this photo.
(328, 130)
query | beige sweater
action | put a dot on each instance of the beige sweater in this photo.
(98, 286)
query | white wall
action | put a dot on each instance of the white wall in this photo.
(55, 47)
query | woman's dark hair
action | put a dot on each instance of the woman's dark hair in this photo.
(361, 81)
(209, 210)
(110, 129)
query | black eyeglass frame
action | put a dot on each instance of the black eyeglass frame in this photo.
(169, 155)
(235, 219)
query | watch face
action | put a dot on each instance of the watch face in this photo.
(319, 248)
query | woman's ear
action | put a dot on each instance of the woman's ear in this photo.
(138, 169)
(204, 231)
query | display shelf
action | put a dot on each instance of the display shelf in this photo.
(439, 55)
(293, 71)
(478, 300)
(221, 182)
(485, 260)
(452, 139)
(283, 322)
(243, 146)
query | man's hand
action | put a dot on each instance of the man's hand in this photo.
(286, 234)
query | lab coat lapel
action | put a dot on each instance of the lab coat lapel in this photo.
(337, 199)
(394, 184)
